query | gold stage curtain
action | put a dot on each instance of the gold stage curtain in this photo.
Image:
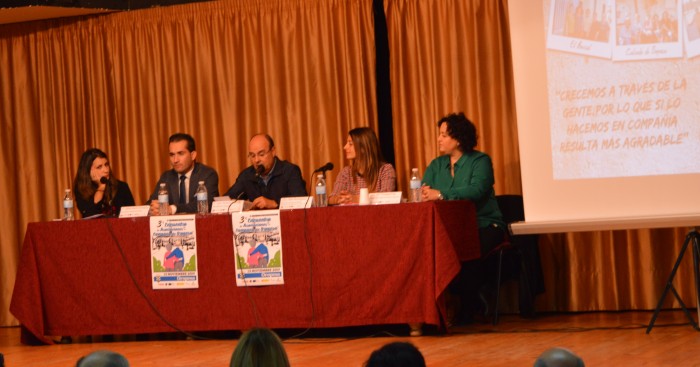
(450, 56)
(454, 55)
(301, 70)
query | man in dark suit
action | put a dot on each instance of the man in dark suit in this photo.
(182, 180)
(268, 179)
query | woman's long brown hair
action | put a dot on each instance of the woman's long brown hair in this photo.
(368, 157)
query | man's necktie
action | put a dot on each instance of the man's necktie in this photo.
(183, 191)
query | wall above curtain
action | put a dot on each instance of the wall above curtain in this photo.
(17, 11)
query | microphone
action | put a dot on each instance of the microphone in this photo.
(259, 171)
(327, 167)
(108, 191)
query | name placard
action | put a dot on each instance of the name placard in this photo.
(134, 211)
(228, 206)
(296, 202)
(379, 198)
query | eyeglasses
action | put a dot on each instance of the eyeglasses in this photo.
(259, 154)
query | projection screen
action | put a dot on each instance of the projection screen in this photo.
(608, 106)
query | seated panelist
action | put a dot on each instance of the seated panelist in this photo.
(183, 179)
(463, 173)
(268, 179)
(366, 169)
(97, 190)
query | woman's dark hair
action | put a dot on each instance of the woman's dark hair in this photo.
(259, 347)
(83, 184)
(461, 129)
(368, 157)
(397, 354)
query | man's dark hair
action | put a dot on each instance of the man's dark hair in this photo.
(559, 357)
(270, 141)
(103, 358)
(186, 137)
(397, 354)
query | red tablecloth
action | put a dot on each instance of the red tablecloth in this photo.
(343, 266)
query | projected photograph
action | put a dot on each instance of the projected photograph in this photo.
(691, 20)
(614, 118)
(581, 27)
(647, 29)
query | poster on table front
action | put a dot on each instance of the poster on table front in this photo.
(174, 252)
(257, 248)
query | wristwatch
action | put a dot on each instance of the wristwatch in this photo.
(440, 197)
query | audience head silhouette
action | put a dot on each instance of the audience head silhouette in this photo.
(103, 358)
(397, 354)
(558, 357)
(259, 347)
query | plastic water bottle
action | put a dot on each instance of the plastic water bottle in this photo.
(202, 203)
(67, 206)
(321, 198)
(163, 199)
(415, 186)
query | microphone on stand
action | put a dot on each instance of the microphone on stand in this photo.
(108, 190)
(239, 196)
(259, 171)
(229, 205)
(327, 167)
(261, 182)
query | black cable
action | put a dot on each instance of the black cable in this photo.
(250, 296)
(256, 313)
(254, 306)
(141, 291)
(560, 330)
(382, 333)
(228, 209)
(311, 277)
(312, 187)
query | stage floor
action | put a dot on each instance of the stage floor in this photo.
(601, 339)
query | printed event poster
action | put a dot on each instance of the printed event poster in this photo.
(257, 246)
(174, 252)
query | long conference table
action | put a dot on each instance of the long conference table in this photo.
(343, 266)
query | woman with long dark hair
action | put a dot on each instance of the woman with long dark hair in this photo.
(96, 189)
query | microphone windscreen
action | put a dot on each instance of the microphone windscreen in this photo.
(326, 167)
(260, 170)
(104, 180)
